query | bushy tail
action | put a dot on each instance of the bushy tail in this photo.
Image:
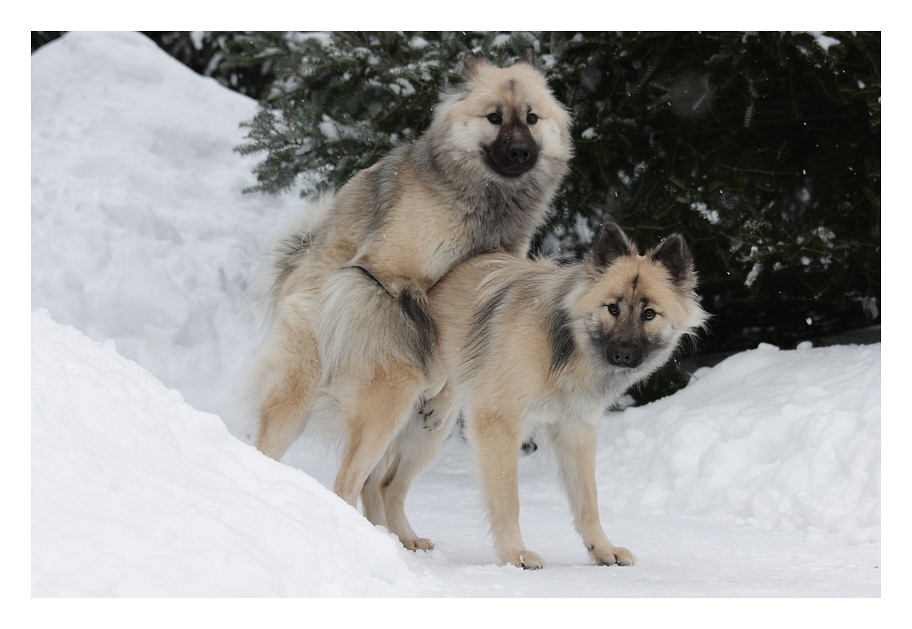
(289, 248)
(288, 252)
(360, 325)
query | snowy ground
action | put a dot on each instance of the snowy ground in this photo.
(760, 479)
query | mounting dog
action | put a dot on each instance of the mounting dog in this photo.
(352, 338)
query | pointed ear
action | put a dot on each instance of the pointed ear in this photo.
(529, 57)
(674, 256)
(471, 61)
(609, 244)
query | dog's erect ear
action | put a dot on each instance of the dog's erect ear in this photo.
(609, 244)
(471, 61)
(529, 57)
(674, 256)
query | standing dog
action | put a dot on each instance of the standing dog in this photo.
(528, 346)
(352, 338)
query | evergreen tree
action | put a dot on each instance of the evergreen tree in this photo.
(762, 148)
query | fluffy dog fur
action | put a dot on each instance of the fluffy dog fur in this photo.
(352, 338)
(529, 346)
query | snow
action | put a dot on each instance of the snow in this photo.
(759, 479)
(156, 498)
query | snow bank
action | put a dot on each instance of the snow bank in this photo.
(140, 232)
(786, 440)
(135, 493)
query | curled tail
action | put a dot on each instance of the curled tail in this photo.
(291, 247)
(289, 251)
(360, 324)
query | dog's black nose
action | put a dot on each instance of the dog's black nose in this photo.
(622, 355)
(519, 153)
(625, 355)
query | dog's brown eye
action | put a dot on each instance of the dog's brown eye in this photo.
(613, 310)
(531, 119)
(649, 314)
(495, 118)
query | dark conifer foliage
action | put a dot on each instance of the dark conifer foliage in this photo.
(763, 149)
(40, 38)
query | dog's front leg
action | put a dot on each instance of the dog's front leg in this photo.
(495, 439)
(574, 444)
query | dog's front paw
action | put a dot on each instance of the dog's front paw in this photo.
(613, 555)
(418, 543)
(525, 559)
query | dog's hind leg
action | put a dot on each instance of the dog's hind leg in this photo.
(574, 444)
(416, 446)
(371, 497)
(374, 409)
(289, 372)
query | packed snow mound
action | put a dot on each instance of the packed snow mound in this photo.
(786, 440)
(135, 493)
(140, 231)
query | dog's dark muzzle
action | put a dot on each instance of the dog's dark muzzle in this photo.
(513, 153)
